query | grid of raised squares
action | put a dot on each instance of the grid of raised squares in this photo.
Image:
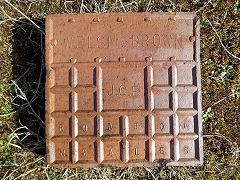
(174, 110)
(114, 138)
(170, 131)
(73, 94)
(80, 133)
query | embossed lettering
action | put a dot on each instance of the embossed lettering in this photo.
(169, 41)
(133, 91)
(145, 40)
(62, 152)
(112, 91)
(156, 40)
(89, 42)
(134, 40)
(60, 127)
(101, 42)
(68, 42)
(185, 125)
(186, 149)
(162, 126)
(122, 90)
(79, 41)
(135, 125)
(84, 152)
(180, 42)
(108, 41)
(162, 150)
(84, 127)
(136, 151)
(110, 127)
(110, 153)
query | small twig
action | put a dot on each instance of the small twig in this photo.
(23, 73)
(221, 40)
(14, 145)
(148, 6)
(174, 6)
(25, 98)
(29, 7)
(65, 173)
(42, 65)
(205, 172)
(22, 14)
(223, 99)
(122, 6)
(65, 5)
(97, 7)
(9, 114)
(121, 175)
(220, 135)
(224, 79)
(22, 165)
(81, 8)
(149, 172)
(235, 150)
(128, 4)
(86, 8)
(203, 6)
(23, 175)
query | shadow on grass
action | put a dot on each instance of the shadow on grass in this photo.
(28, 61)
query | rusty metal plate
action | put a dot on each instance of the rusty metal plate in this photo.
(123, 90)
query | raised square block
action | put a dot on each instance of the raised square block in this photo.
(62, 102)
(62, 125)
(163, 100)
(164, 149)
(188, 124)
(186, 75)
(86, 151)
(84, 100)
(162, 125)
(62, 151)
(137, 150)
(136, 125)
(85, 126)
(187, 100)
(112, 150)
(62, 76)
(84, 76)
(162, 75)
(187, 150)
(125, 85)
(112, 126)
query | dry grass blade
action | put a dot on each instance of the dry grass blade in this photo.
(22, 13)
(203, 7)
(221, 40)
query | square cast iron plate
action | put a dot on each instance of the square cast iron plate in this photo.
(123, 90)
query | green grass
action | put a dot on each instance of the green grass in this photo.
(22, 142)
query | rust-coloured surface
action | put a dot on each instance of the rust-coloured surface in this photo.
(123, 90)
